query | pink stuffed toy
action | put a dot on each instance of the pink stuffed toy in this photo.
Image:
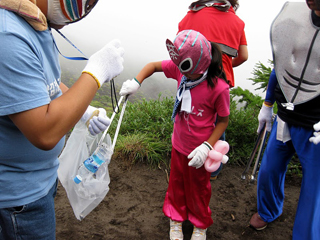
(216, 156)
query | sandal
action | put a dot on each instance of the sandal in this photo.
(257, 223)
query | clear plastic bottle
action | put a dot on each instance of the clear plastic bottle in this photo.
(91, 165)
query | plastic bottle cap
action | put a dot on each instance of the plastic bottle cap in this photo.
(77, 179)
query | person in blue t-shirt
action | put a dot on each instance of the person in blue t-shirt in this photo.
(37, 109)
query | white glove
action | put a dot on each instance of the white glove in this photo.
(199, 155)
(96, 120)
(316, 135)
(107, 63)
(129, 87)
(265, 117)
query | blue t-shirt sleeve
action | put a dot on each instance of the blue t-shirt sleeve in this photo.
(270, 95)
(23, 84)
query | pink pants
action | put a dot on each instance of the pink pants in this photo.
(188, 193)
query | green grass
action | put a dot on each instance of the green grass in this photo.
(145, 133)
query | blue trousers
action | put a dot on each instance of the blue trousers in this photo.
(271, 180)
(35, 220)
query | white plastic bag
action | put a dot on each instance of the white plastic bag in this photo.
(85, 196)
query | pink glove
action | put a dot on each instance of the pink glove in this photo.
(265, 117)
(316, 135)
(96, 120)
(199, 155)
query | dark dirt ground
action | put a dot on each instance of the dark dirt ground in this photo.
(132, 209)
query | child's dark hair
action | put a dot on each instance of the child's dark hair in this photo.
(216, 68)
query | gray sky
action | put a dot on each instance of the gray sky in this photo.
(143, 27)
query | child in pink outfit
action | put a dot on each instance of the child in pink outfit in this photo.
(202, 97)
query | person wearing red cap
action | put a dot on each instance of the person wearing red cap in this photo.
(37, 110)
(202, 97)
(217, 21)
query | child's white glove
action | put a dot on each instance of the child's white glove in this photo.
(96, 120)
(316, 135)
(107, 63)
(265, 117)
(199, 155)
(129, 87)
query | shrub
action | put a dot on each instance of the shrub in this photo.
(241, 133)
(145, 133)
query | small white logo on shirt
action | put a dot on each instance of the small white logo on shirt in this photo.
(53, 88)
(200, 111)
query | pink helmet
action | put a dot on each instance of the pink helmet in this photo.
(190, 51)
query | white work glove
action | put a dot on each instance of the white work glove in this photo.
(316, 135)
(199, 155)
(96, 120)
(129, 87)
(265, 117)
(107, 63)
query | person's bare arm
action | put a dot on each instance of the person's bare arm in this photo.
(132, 85)
(221, 126)
(46, 125)
(63, 87)
(242, 56)
(148, 70)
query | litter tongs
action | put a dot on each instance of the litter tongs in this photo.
(119, 122)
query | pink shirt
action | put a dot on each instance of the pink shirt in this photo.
(190, 130)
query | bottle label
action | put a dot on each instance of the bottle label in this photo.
(91, 164)
(99, 159)
(103, 154)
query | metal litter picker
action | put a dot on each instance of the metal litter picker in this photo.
(260, 142)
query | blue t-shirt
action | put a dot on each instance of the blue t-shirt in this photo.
(29, 78)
